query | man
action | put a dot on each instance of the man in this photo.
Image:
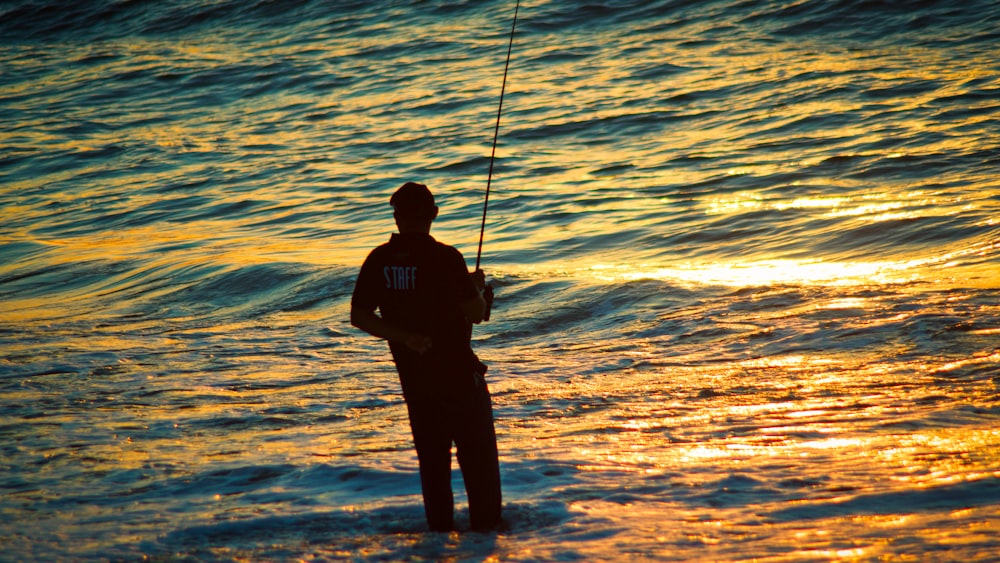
(427, 302)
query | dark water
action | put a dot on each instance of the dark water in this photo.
(746, 257)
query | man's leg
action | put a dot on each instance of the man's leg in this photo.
(433, 444)
(476, 442)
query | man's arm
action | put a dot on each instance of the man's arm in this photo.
(368, 321)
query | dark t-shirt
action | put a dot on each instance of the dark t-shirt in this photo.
(418, 284)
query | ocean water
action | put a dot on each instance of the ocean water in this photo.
(746, 257)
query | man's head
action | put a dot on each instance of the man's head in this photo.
(413, 207)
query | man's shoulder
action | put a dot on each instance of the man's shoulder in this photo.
(426, 245)
(447, 249)
(378, 252)
(449, 254)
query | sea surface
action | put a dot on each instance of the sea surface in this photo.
(746, 257)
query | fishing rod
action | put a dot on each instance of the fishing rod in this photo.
(496, 133)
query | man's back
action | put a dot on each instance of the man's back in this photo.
(418, 285)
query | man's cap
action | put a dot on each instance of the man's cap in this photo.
(413, 200)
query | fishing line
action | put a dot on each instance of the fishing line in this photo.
(496, 133)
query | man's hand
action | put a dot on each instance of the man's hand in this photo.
(479, 280)
(475, 308)
(418, 343)
(368, 321)
(486, 292)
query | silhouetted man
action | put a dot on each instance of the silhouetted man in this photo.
(427, 302)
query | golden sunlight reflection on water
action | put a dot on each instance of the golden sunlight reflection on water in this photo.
(766, 273)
